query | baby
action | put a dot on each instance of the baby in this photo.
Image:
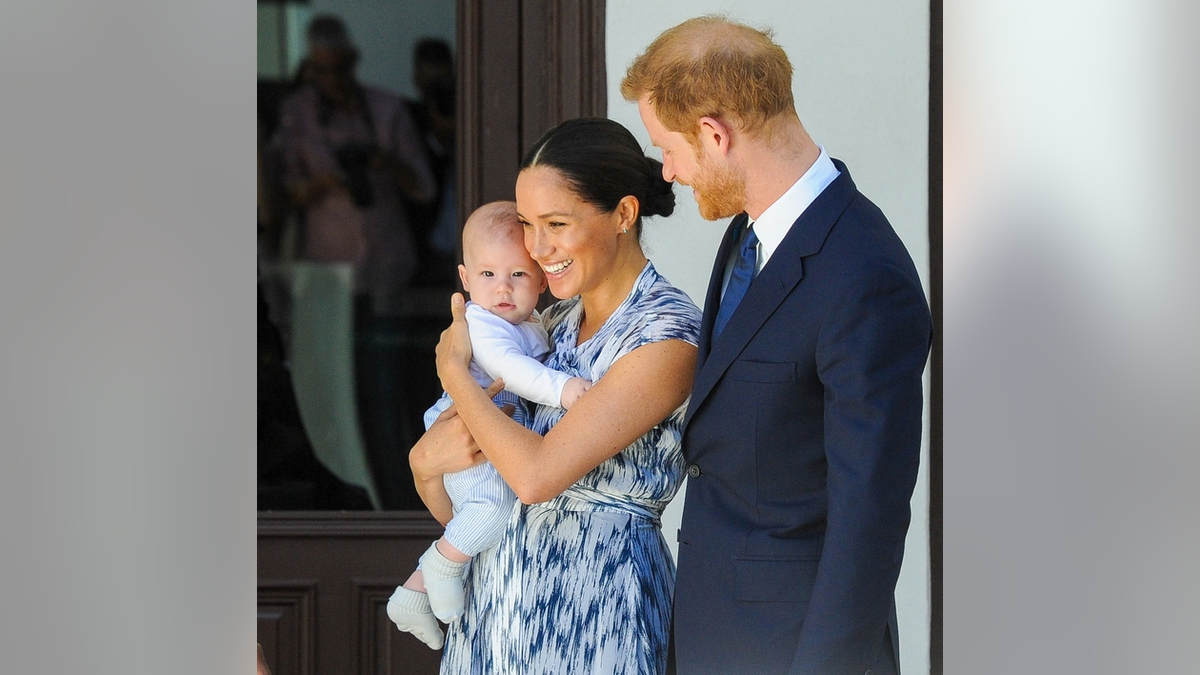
(507, 342)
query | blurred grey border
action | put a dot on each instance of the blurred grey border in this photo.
(127, 270)
(1071, 333)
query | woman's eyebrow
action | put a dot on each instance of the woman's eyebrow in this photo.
(552, 214)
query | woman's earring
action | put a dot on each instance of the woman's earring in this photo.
(624, 230)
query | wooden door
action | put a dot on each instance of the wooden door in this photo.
(324, 577)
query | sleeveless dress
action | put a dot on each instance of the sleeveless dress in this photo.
(583, 583)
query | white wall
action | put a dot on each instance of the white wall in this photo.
(861, 86)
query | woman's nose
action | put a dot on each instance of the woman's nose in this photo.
(535, 243)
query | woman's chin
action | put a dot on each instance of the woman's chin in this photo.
(561, 290)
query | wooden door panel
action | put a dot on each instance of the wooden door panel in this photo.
(286, 627)
(324, 580)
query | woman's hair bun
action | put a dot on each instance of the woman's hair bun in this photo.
(603, 163)
(660, 194)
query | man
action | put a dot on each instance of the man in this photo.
(351, 157)
(804, 426)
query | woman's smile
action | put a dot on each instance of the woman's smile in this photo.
(557, 268)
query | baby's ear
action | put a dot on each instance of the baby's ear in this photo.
(462, 275)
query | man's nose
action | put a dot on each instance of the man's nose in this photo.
(668, 171)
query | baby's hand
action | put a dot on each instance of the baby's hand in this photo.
(573, 389)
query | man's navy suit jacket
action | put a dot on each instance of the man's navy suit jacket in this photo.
(803, 438)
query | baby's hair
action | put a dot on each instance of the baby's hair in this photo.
(494, 221)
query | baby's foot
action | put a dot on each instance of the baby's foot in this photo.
(409, 610)
(443, 582)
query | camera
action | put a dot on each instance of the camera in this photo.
(355, 160)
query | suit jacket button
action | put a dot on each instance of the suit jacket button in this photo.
(694, 471)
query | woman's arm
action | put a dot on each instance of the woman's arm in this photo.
(638, 392)
(446, 447)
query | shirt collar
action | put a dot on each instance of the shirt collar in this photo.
(775, 222)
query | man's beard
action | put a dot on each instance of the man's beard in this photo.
(721, 190)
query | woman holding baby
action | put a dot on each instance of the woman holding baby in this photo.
(582, 580)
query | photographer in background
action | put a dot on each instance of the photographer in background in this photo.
(351, 158)
(353, 166)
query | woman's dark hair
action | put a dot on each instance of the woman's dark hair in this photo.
(603, 163)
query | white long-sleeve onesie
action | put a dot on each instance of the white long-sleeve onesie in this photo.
(500, 350)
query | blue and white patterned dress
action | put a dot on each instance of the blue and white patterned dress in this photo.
(583, 583)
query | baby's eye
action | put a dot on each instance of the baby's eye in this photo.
(518, 274)
(487, 273)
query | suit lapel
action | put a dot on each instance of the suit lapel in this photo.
(774, 282)
(712, 299)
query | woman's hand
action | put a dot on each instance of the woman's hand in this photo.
(447, 447)
(263, 669)
(454, 347)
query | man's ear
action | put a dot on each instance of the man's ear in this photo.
(715, 134)
(462, 276)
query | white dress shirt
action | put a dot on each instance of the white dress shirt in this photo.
(776, 221)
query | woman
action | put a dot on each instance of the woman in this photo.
(583, 579)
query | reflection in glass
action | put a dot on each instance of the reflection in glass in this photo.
(358, 240)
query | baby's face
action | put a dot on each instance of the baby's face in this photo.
(502, 278)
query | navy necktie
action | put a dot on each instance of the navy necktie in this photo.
(739, 280)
